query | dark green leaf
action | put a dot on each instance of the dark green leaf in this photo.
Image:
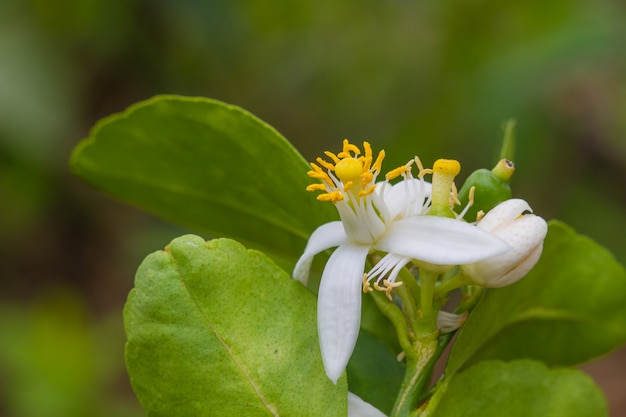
(374, 373)
(521, 388)
(569, 309)
(209, 166)
(216, 330)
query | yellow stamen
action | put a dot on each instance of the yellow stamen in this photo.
(366, 178)
(379, 161)
(395, 173)
(333, 196)
(471, 195)
(422, 170)
(349, 147)
(368, 191)
(316, 187)
(454, 196)
(332, 156)
(325, 164)
(354, 170)
(366, 285)
(390, 286)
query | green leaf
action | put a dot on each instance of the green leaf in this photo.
(520, 388)
(567, 310)
(208, 166)
(216, 330)
(374, 373)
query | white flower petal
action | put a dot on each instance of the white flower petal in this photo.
(339, 306)
(359, 408)
(326, 236)
(519, 271)
(408, 195)
(503, 214)
(440, 241)
(524, 234)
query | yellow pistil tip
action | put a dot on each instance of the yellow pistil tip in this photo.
(447, 167)
(349, 170)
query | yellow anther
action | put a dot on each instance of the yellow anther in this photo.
(316, 187)
(454, 196)
(395, 173)
(367, 162)
(379, 161)
(368, 150)
(332, 156)
(349, 169)
(447, 167)
(349, 147)
(325, 164)
(470, 201)
(366, 178)
(480, 215)
(366, 285)
(347, 185)
(368, 191)
(379, 288)
(390, 286)
(333, 196)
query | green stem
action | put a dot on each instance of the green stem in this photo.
(428, 279)
(393, 313)
(416, 378)
(508, 142)
(453, 283)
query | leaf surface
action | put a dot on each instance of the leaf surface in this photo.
(216, 330)
(208, 166)
(521, 388)
(567, 310)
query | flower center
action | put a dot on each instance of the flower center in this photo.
(348, 173)
(349, 170)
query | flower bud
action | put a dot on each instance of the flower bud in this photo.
(512, 222)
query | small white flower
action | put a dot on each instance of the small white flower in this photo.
(524, 232)
(359, 408)
(377, 217)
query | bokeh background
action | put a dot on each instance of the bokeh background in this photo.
(432, 78)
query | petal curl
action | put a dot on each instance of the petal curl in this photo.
(440, 241)
(359, 408)
(326, 236)
(339, 306)
(503, 214)
(519, 271)
(524, 235)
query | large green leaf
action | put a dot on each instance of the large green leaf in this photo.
(521, 388)
(206, 165)
(570, 308)
(216, 330)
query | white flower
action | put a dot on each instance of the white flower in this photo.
(359, 408)
(377, 217)
(524, 232)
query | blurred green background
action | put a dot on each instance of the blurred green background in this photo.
(428, 78)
